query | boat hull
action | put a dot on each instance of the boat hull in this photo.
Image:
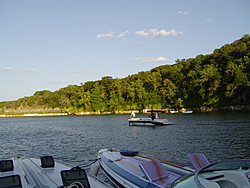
(187, 112)
(148, 122)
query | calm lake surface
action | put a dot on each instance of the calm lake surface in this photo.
(75, 140)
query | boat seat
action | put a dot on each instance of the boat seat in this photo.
(10, 181)
(75, 176)
(154, 170)
(198, 160)
(47, 162)
(6, 165)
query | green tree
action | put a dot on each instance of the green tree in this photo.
(96, 100)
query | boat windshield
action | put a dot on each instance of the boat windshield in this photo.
(192, 180)
(222, 166)
(228, 165)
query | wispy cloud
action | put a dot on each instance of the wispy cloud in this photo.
(181, 12)
(151, 59)
(122, 40)
(6, 68)
(75, 71)
(154, 33)
(138, 58)
(208, 19)
(136, 41)
(123, 34)
(17, 70)
(25, 70)
(110, 34)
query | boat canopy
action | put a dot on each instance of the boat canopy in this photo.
(156, 111)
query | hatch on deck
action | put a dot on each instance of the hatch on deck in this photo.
(47, 162)
(6, 165)
(10, 181)
(75, 176)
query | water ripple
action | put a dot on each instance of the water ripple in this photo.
(75, 140)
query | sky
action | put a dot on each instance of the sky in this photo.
(50, 44)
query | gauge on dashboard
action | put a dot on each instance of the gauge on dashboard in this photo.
(248, 175)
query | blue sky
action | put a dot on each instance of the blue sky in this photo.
(50, 44)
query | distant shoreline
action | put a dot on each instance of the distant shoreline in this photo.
(62, 114)
(203, 109)
(33, 115)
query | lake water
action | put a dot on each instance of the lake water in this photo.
(75, 140)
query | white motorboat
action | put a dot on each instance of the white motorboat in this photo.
(187, 112)
(129, 169)
(142, 171)
(148, 121)
(44, 173)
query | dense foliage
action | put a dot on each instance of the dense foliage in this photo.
(218, 79)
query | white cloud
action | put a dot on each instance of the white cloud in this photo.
(181, 12)
(16, 70)
(123, 34)
(151, 59)
(110, 34)
(154, 33)
(208, 19)
(75, 71)
(143, 33)
(6, 68)
(25, 70)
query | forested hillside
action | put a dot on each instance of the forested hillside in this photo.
(214, 80)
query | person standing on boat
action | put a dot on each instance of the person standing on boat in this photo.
(152, 116)
(156, 116)
(132, 115)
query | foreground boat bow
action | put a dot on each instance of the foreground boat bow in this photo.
(44, 173)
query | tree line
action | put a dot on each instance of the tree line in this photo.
(218, 79)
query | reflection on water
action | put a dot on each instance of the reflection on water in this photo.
(75, 140)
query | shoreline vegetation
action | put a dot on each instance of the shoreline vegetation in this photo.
(216, 81)
(46, 114)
